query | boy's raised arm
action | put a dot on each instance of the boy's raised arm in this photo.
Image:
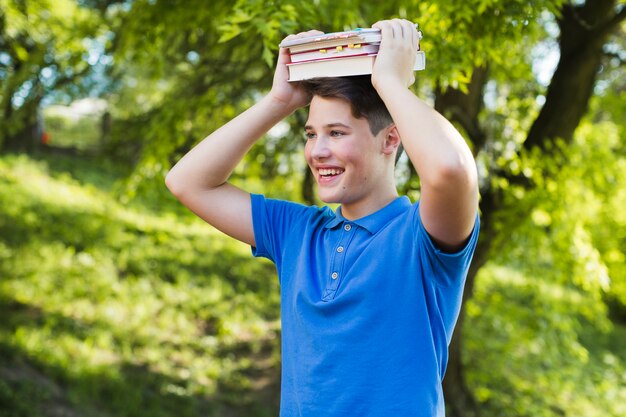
(442, 159)
(199, 179)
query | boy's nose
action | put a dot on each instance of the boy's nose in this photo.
(320, 149)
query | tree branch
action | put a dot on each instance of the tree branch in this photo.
(463, 108)
(612, 23)
(572, 84)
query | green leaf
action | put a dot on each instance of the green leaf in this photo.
(228, 32)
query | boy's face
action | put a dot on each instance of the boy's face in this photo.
(347, 161)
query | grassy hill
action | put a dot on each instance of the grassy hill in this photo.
(117, 309)
(110, 307)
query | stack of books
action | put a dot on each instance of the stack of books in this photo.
(338, 54)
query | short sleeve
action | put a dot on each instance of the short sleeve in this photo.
(275, 222)
(259, 220)
(446, 268)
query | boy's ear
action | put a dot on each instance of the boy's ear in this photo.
(392, 140)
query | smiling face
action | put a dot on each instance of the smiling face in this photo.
(351, 166)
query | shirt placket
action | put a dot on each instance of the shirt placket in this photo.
(335, 275)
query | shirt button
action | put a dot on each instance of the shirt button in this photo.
(334, 275)
(340, 249)
(347, 227)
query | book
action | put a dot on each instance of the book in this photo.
(335, 52)
(341, 67)
(331, 40)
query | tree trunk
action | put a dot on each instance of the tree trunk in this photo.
(308, 183)
(584, 31)
(460, 400)
(463, 109)
(28, 137)
(307, 188)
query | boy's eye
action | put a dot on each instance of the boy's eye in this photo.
(309, 135)
(336, 133)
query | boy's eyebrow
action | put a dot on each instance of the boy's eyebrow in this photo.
(329, 125)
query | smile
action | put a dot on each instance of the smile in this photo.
(330, 172)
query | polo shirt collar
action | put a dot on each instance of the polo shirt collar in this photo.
(375, 221)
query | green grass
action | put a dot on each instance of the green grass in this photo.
(110, 307)
(117, 309)
(81, 134)
(542, 349)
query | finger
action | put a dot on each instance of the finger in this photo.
(312, 32)
(288, 38)
(283, 56)
(309, 33)
(400, 31)
(386, 30)
(410, 32)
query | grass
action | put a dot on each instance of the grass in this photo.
(539, 348)
(112, 309)
(116, 308)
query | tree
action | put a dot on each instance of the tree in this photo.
(584, 31)
(481, 78)
(44, 48)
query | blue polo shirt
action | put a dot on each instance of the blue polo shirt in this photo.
(367, 306)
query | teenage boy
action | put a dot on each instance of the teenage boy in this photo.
(369, 293)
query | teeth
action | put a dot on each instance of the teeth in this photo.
(330, 171)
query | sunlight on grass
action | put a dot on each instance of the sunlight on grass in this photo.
(536, 363)
(104, 296)
(120, 309)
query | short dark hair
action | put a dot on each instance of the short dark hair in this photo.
(359, 92)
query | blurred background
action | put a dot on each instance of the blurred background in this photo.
(115, 301)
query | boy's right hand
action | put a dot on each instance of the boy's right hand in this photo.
(291, 95)
(396, 56)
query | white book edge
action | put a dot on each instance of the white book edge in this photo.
(355, 33)
(334, 53)
(341, 67)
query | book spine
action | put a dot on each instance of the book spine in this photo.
(335, 52)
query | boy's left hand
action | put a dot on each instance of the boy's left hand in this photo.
(291, 95)
(396, 56)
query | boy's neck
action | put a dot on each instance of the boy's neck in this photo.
(360, 209)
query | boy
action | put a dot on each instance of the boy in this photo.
(369, 294)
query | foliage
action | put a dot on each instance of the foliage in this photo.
(83, 133)
(44, 48)
(173, 68)
(543, 294)
(176, 320)
(122, 309)
(543, 357)
(118, 309)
